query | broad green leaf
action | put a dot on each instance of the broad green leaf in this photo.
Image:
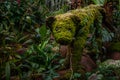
(43, 31)
(43, 44)
(7, 71)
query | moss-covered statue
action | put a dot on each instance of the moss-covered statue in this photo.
(73, 27)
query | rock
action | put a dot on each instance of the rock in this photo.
(115, 56)
(87, 63)
(63, 50)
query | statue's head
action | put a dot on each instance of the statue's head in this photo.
(63, 27)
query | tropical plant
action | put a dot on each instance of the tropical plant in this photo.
(29, 14)
(99, 1)
(37, 61)
(116, 19)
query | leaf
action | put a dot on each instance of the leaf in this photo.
(99, 1)
(43, 31)
(22, 38)
(62, 61)
(106, 36)
(8, 7)
(28, 41)
(77, 75)
(18, 56)
(43, 44)
(7, 71)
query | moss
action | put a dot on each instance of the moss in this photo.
(88, 16)
(77, 52)
(65, 29)
(115, 47)
(67, 75)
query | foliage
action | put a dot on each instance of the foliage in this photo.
(114, 47)
(110, 69)
(107, 70)
(29, 14)
(116, 19)
(25, 51)
(99, 1)
(26, 55)
(60, 11)
(38, 61)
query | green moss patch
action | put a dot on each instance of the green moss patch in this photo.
(74, 26)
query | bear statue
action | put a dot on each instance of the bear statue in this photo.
(72, 28)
